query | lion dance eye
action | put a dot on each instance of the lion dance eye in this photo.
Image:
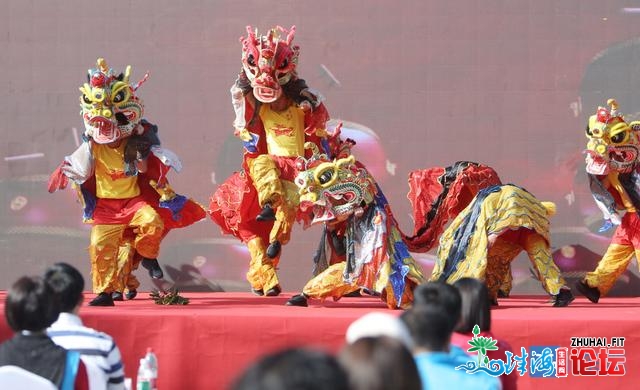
(251, 60)
(325, 177)
(119, 98)
(618, 138)
(86, 99)
(284, 64)
(589, 132)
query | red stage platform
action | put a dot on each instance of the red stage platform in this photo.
(205, 344)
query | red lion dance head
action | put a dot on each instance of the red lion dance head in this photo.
(269, 61)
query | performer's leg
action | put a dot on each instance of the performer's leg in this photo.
(103, 250)
(262, 270)
(499, 258)
(610, 267)
(329, 283)
(284, 219)
(149, 230)
(507, 284)
(266, 178)
(540, 255)
(125, 256)
(129, 280)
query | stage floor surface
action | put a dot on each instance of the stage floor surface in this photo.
(207, 343)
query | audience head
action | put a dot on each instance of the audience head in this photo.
(30, 305)
(379, 363)
(295, 368)
(476, 305)
(379, 324)
(430, 327)
(439, 295)
(67, 283)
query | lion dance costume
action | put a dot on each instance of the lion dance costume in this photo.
(499, 223)
(276, 114)
(120, 172)
(612, 167)
(343, 195)
(362, 247)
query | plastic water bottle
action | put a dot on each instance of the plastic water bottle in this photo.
(148, 372)
(152, 361)
(144, 379)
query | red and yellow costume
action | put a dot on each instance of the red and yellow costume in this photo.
(499, 223)
(613, 150)
(363, 247)
(120, 173)
(276, 114)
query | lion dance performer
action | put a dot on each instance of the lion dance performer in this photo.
(612, 167)
(362, 248)
(276, 113)
(120, 172)
(376, 259)
(483, 240)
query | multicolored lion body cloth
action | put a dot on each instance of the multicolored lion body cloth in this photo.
(276, 114)
(362, 247)
(483, 240)
(120, 173)
(612, 154)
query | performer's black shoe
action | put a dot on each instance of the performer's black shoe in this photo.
(273, 250)
(258, 292)
(274, 291)
(592, 293)
(503, 294)
(103, 299)
(298, 300)
(154, 268)
(117, 296)
(494, 302)
(373, 293)
(267, 213)
(353, 294)
(132, 293)
(564, 298)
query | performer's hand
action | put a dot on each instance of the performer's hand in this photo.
(58, 180)
(243, 134)
(163, 189)
(306, 106)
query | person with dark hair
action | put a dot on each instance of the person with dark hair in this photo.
(98, 350)
(431, 321)
(29, 309)
(380, 363)
(476, 310)
(441, 295)
(294, 368)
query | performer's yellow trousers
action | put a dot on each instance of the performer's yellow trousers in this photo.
(262, 270)
(611, 266)
(329, 283)
(128, 261)
(266, 179)
(106, 242)
(278, 191)
(502, 252)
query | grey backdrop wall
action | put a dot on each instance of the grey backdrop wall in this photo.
(505, 83)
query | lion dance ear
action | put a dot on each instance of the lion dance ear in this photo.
(550, 207)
